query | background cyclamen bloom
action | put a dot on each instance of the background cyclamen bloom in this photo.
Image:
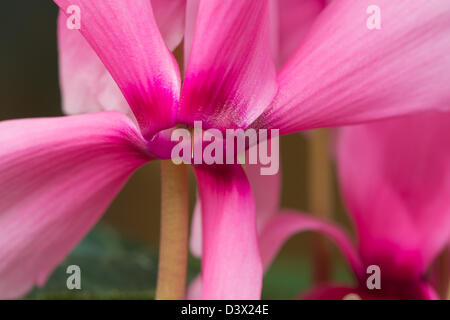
(395, 177)
(341, 73)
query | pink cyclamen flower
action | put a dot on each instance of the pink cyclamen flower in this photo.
(395, 177)
(58, 175)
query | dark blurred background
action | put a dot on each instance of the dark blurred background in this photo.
(120, 253)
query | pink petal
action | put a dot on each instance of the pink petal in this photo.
(191, 20)
(194, 291)
(170, 18)
(428, 293)
(231, 266)
(266, 191)
(86, 84)
(344, 73)
(57, 176)
(287, 223)
(274, 17)
(294, 22)
(230, 77)
(195, 239)
(395, 176)
(125, 36)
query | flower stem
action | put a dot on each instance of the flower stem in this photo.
(171, 283)
(320, 199)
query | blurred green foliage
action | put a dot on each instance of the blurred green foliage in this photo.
(114, 267)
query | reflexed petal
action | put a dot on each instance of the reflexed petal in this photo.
(287, 223)
(231, 266)
(395, 176)
(57, 176)
(344, 73)
(230, 77)
(125, 36)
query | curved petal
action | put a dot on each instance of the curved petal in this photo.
(231, 266)
(125, 36)
(57, 176)
(395, 176)
(287, 223)
(294, 21)
(344, 73)
(86, 84)
(230, 77)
